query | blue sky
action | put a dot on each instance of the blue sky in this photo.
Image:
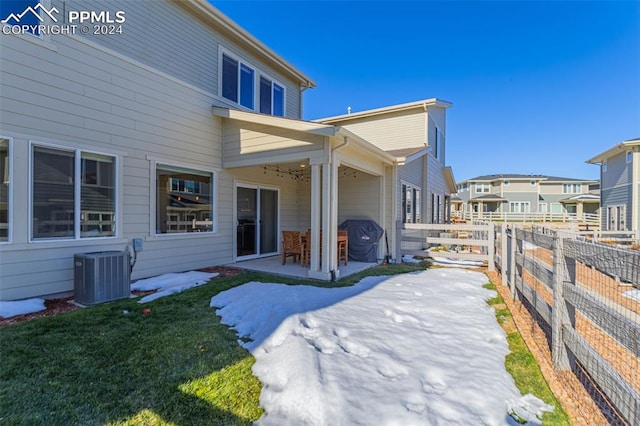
(537, 87)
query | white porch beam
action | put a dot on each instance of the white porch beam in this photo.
(316, 205)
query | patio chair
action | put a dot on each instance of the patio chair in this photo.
(291, 246)
(343, 246)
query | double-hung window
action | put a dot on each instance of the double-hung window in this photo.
(183, 200)
(73, 194)
(271, 97)
(482, 188)
(572, 188)
(237, 81)
(245, 85)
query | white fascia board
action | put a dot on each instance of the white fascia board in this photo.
(279, 122)
(386, 110)
(616, 150)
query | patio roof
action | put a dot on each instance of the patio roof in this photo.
(488, 197)
(258, 139)
(583, 198)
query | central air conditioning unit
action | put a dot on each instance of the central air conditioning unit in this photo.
(101, 277)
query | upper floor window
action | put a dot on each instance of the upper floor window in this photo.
(604, 166)
(436, 144)
(271, 97)
(237, 81)
(5, 174)
(629, 156)
(572, 188)
(240, 82)
(73, 194)
(505, 183)
(532, 183)
(482, 187)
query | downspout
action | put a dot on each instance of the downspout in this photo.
(300, 92)
(333, 206)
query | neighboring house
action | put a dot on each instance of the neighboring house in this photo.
(187, 134)
(414, 134)
(513, 195)
(620, 186)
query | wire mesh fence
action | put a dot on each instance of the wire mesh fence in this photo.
(585, 299)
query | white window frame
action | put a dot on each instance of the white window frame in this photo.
(532, 183)
(416, 209)
(483, 186)
(77, 190)
(572, 188)
(10, 206)
(505, 183)
(153, 199)
(543, 208)
(629, 157)
(523, 206)
(257, 73)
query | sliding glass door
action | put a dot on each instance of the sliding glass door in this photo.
(256, 221)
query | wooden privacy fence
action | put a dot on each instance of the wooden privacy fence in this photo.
(577, 291)
(473, 241)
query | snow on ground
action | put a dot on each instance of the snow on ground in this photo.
(411, 349)
(444, 261)
(20, 307)
(169, 284)
(632, 294)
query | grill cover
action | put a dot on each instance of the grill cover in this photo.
(363, 239)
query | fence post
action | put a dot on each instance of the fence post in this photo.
(512, 269)
(398, 241)
(503, 252)
(491, 230)
(564, 270)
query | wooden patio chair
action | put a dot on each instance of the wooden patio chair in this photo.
(291, 246)
(343, 247)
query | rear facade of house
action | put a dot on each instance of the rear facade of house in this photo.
(185, 133)
(106, 138)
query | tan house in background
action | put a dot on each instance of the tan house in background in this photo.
(534, 197)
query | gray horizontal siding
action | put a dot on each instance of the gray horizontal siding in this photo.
(618, 172)
(91, 100)
(167, 37)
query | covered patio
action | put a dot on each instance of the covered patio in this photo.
(273, 265)
(313, 176)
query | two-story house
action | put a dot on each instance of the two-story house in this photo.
(178, 129)
(513, 195)
(414, 133)
(620, 186)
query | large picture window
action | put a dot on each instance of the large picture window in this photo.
(5, 175)
(183, 200)
(73, 194)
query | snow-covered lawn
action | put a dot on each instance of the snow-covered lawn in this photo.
(411, 349)
(171, 283)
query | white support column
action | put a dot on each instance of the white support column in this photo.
(321, 270)
(332, 237)
(316, 206)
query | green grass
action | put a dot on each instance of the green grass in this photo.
(523, 367)
(176, 366)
